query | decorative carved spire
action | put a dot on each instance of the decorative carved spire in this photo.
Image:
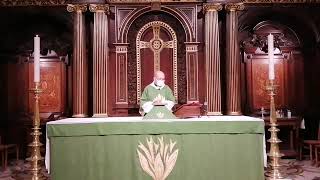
(234, 7)
(212, 7)
(79, 8)
(99, 8)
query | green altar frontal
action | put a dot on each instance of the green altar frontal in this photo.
(146, 150)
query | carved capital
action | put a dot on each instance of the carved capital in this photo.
(121, 49)
(99, 8)
(191, 48)
(212, 7)
(78, 8)
(234, 7)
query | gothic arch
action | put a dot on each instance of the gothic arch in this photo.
(160, 44)
(283, 17)
(285, 37)
(135, 14)
(181, 54)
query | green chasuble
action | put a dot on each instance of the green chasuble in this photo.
(150, 93)
(157, 112)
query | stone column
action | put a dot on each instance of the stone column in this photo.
(233, 60)
(80, 63)
(212, 56)
(100, 59)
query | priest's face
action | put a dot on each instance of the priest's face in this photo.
(159, 78)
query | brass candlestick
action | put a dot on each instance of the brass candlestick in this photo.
(274, 167)
(35, 145)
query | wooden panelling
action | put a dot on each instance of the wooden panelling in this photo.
(53, 84)
(17, 88)
(260, 97)
(192, 76)
(121, 70)
(296, 63)
(288, 78)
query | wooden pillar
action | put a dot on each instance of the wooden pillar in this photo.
(100, 59)
(233, 60)
(212, 56)
(192, 72)
(80, 64)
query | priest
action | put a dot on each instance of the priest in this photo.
(157, 93)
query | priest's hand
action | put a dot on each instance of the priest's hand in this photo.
(159, 100)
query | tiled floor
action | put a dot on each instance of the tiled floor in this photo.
(301, 170)
(297, 170)
(18, 170)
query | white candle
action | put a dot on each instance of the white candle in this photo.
(271, 59)
(36, 58)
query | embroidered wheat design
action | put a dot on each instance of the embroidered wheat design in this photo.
(157, 160)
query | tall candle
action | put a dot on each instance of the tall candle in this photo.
(271, 59)
(36, 58)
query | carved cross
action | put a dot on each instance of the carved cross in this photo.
(156, 44)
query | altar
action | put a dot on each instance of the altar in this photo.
(206, 148)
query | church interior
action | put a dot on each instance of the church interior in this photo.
(97, 56)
